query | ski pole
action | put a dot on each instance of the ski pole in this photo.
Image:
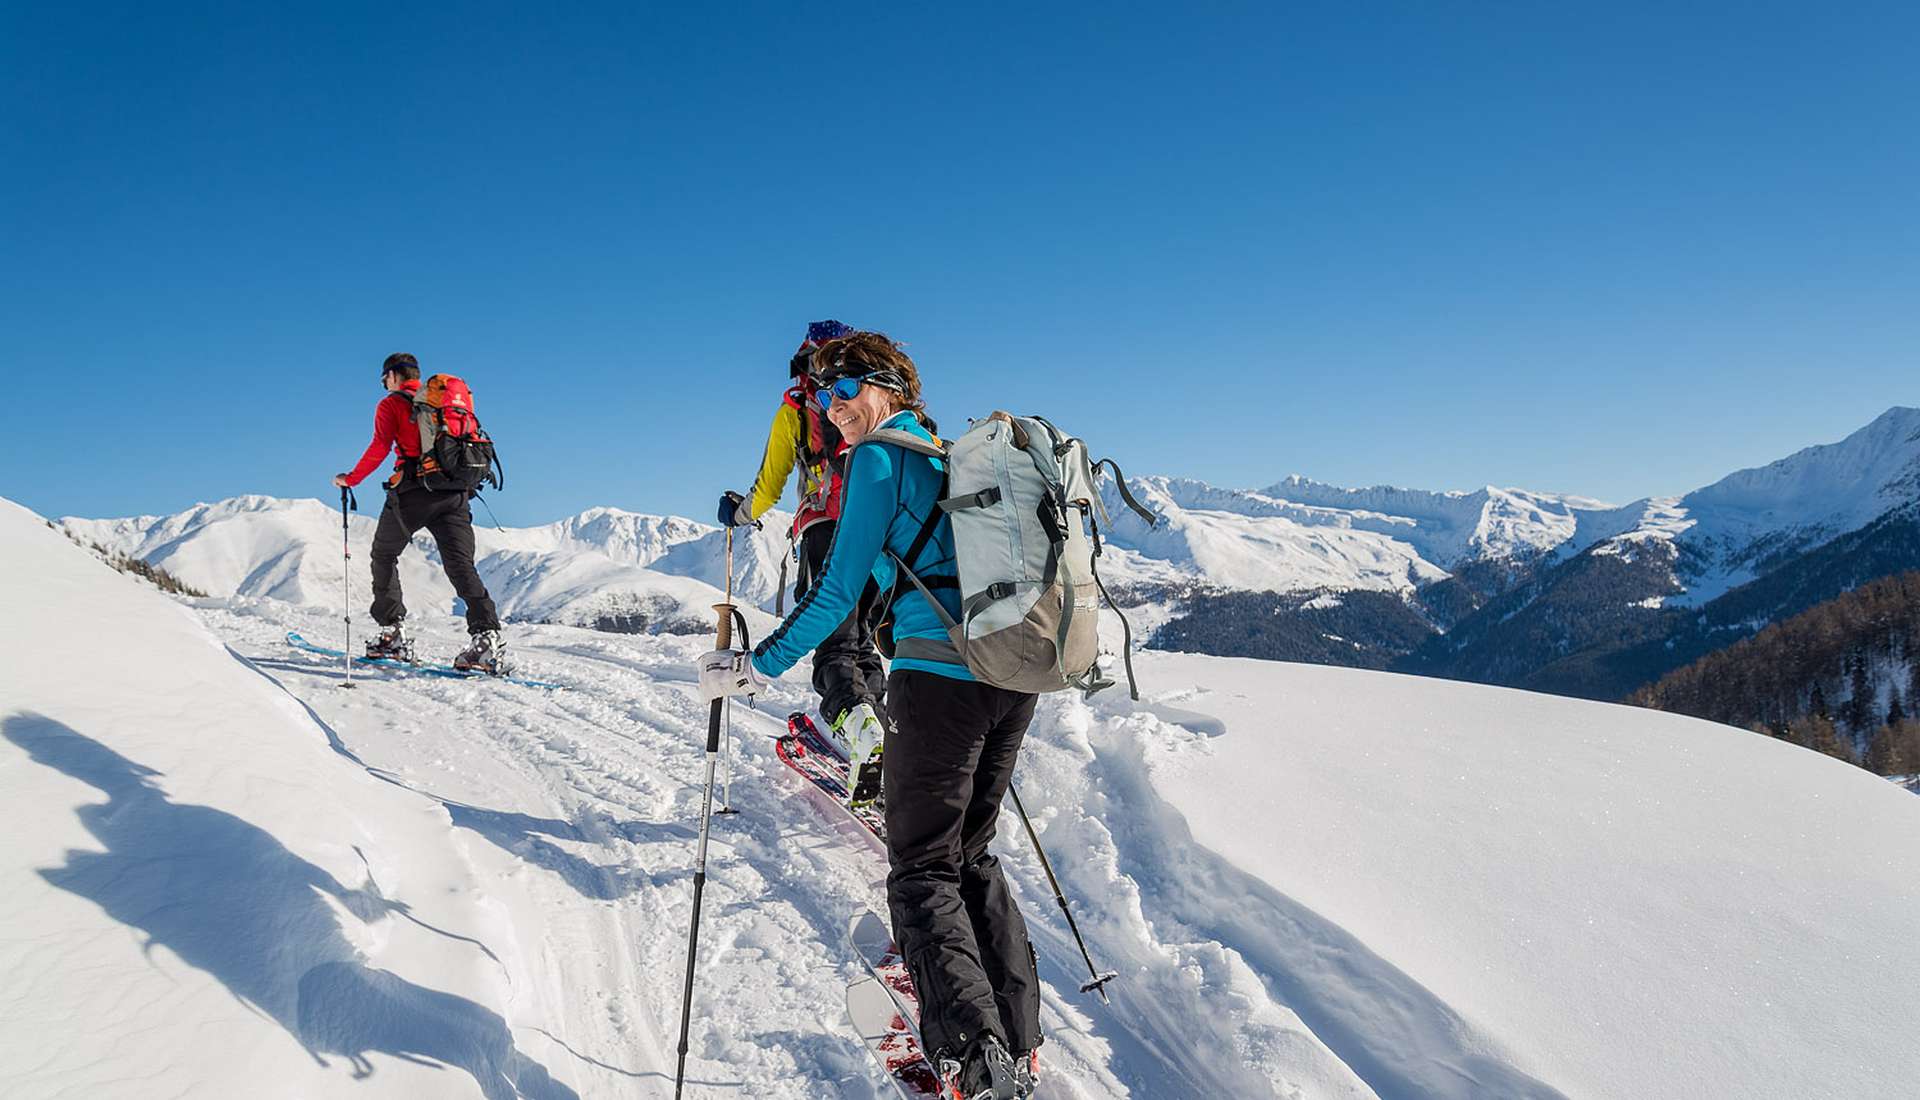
(1097, 982)
(726, 745)
(726, 766)
(723, 637)
(347, 501)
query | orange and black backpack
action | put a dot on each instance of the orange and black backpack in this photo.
(455, 452)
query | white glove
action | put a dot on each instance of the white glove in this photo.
(729, 672)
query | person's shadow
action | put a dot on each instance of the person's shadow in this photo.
(226, 897)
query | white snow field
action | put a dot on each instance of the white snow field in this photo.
(222, 875)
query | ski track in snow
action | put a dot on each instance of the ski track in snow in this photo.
(594, 793)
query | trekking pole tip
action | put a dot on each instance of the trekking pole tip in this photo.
(1098, 984)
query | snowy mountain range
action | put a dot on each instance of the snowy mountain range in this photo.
(1556, 593)
(604, 567)
(1301, 535)
(1491, 584)
(220, 875)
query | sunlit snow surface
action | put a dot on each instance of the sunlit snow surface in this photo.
(223, 875)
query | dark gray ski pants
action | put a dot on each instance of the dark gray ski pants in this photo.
(949, 759)
(447, 517)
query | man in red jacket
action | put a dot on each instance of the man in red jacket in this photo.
(410, 507)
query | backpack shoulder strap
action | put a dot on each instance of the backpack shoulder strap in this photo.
(911, 442)
(905, 440)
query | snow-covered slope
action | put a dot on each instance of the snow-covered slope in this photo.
(603, 562)
(1738, 524)
(1300, 535)
(1619, 902)
(260, 546)
(1315, 882)
(199, 897)
(1743, 525)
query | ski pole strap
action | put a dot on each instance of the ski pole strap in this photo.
(740, 624)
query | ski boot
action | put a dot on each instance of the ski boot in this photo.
(860, 733)
(1026, 1072)
(391, 644)
(987, 1072)
(486, 652)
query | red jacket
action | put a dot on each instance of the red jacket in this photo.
(392, 424)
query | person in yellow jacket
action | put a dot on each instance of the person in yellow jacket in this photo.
(847, 673)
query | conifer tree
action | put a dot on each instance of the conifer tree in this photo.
(1859, 709)
(1880, 752)
(1822, 737)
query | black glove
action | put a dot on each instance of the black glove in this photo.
(730, 503)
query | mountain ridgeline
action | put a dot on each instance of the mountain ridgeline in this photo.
(1594, 626)
(1600, 602)
(1545, 591)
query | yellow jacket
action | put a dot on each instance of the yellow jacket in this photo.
(819, 485)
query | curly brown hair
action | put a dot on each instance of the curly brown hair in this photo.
(861, 353)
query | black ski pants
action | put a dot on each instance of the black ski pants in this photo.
(949, 760)
(846, 667)
(449, 520)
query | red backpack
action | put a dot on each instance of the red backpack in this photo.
(818, 450)
(455, 452)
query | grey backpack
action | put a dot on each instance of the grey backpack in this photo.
(1026, 534)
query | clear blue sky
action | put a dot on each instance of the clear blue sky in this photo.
(1607, 248)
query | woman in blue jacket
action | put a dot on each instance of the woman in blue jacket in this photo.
(950, 753)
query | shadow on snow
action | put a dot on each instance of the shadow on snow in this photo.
(227, 898)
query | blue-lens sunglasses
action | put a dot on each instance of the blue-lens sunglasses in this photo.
(847, 387)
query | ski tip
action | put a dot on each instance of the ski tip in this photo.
(869, 932)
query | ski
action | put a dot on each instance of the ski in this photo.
(872, 941)
(804, 749)
(446, 671)
(889, 1037)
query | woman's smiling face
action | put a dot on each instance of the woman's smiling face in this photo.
(856, 416)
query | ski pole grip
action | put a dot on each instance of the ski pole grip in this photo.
(724, 631)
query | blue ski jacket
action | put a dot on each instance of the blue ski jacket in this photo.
(890, 491)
